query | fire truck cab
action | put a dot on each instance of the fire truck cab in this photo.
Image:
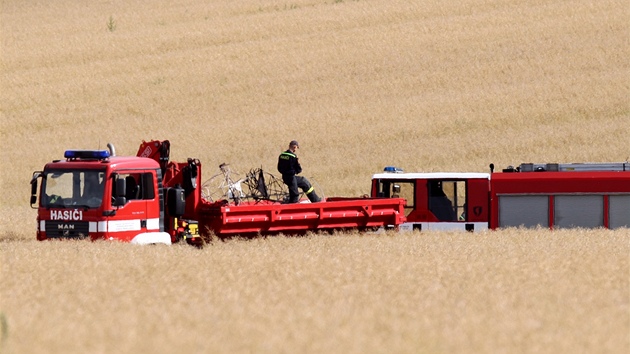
(438, 201)
(93, 195)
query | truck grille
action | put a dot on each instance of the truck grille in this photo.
(64, 229)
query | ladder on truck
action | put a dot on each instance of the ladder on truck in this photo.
(568, 167)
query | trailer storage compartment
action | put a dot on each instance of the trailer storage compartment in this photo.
(569, 198)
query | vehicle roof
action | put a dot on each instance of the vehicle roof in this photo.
(114, 162)
(562, 175)
(432, 175)
(561, 182)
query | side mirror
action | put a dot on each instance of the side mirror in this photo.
(175, 201)
(120, 201)
(121, 188)
(36, 175)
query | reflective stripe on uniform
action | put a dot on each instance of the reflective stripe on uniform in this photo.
(287, 154)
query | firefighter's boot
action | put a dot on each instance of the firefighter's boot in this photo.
(313, 197)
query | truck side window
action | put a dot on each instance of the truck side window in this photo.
(132, 190)
(406, 190)
(439, 204)
(148, 191)
(139, 186)
(399, 189)
(447, 199)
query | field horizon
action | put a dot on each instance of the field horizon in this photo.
(361, 84)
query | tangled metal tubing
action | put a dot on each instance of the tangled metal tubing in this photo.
(257, 186)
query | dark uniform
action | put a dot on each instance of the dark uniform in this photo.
(289, 167)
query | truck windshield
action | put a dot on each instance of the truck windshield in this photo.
(72, 188)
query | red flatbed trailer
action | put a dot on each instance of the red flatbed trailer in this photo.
(265, 218)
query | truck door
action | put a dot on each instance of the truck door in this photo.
(139, 212)
(447, 199)
(451, 202)
(461, 201)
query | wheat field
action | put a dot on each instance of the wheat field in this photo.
(423, 85)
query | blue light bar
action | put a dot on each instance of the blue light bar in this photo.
(86, 154)
(392, 169)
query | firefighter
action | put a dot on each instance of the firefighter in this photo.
(289, 167)
(439, 204)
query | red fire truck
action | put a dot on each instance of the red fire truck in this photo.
(148, 199)
(588, 195)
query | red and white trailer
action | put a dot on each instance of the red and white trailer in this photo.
(587, 195)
